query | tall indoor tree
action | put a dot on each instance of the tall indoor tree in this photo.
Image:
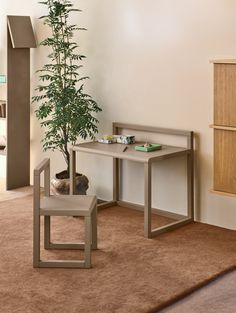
(65, 111)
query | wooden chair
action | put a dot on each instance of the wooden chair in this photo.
(69, 205)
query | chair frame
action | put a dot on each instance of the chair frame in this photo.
(90, 228)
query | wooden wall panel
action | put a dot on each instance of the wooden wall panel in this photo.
(225, 160)
(225, 94)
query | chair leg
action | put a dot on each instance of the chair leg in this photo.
(36, 241)
(87, 249)
(47, 232)
(94, 228)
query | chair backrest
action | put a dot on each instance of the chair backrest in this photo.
(44, 166)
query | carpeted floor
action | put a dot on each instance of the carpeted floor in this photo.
(130, 273)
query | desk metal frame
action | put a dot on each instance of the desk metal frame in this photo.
(147, 161)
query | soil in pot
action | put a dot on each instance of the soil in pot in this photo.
(61, 184)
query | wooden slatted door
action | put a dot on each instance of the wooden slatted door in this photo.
(225, 161)
(225, 126)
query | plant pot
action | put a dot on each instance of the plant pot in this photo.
(61, 184)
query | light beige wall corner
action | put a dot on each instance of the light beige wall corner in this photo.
(149, 64)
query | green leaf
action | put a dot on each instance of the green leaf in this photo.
(65, 112)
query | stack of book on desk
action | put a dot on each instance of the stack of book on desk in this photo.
(2, 108)
(3, 143)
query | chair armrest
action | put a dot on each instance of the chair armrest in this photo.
(42, 166)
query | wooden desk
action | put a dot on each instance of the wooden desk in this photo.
(116, 152)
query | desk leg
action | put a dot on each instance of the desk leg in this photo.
(116, 179)
(147, 199)
(72, 171)
(190, 182)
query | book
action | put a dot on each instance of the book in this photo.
(3, 79)
(2, 109)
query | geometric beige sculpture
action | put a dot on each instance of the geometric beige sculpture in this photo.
(83, 206)
(20, 38)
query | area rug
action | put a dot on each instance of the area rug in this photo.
(130, 274)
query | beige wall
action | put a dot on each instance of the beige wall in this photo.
(149, 64)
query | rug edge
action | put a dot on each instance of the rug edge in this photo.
(16, 198)
(191, 290)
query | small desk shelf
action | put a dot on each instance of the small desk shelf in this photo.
(115, 151)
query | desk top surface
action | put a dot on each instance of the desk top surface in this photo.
(116, 151)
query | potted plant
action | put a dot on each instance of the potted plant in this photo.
(64, 110)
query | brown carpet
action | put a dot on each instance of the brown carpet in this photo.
(131, 274)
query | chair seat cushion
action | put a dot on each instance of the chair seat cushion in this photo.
(69, 205)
